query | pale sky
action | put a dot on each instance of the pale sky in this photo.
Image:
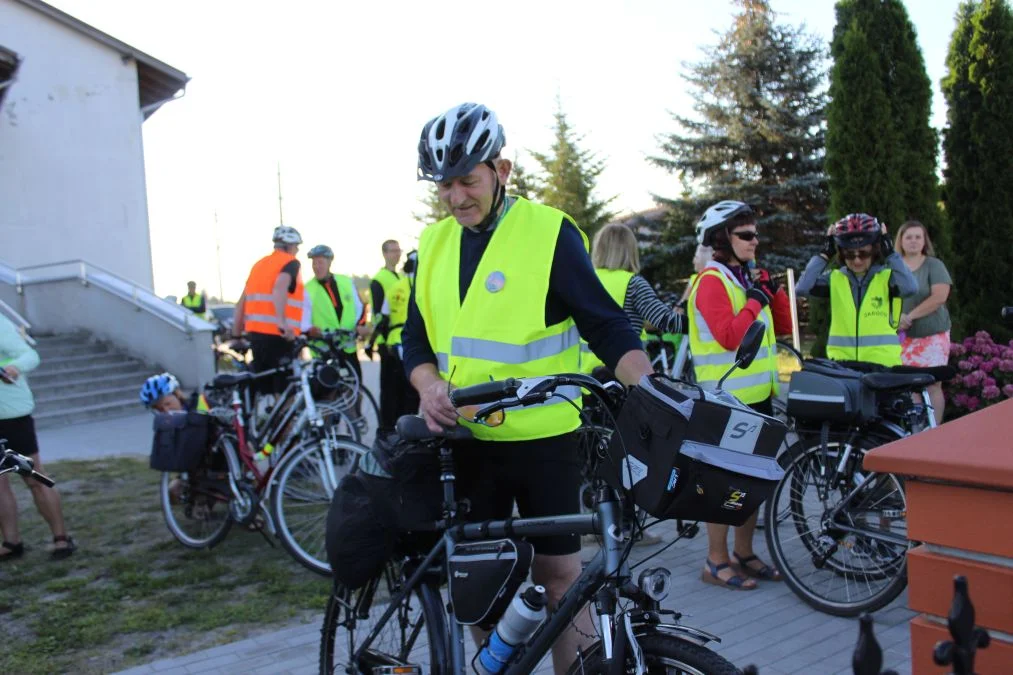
(338, 93)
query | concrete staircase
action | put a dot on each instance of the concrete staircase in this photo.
(81, 379)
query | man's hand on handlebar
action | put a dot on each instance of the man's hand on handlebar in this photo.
(436, 406)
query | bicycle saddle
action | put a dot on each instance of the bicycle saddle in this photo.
(897, 381)
(939, 373)
(223, 380)
(413, 428)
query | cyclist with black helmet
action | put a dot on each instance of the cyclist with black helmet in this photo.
(865, 292)
(505, 288)
(726, 298)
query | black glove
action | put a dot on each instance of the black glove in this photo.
(766, 283)
(829, 247)
(885, 246)
(755, 293)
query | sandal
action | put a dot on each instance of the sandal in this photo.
(66, 551)
(733, 583)
(16, 550)
(764, 573)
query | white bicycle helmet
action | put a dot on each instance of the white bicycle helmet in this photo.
(717, 217)
(283, 234)
(454, 143)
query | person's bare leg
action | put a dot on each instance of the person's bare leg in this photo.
(937, 400)
(557, 573)
(8, 515)
(47, 500)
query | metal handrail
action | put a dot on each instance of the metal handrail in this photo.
(18, 320)
(90, 274)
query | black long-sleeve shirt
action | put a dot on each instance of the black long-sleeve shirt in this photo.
(574, 291)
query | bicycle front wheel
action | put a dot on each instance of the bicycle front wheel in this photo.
(844, 571)
(304, 484)
(411, 636)
(662, 654)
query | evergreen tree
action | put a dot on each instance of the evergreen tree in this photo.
(978, 143)
(521, 183)
(881, 151)
(433, 211)
(758, 134)
(569, 178)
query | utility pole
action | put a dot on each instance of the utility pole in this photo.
(281, 218)
(218, 255)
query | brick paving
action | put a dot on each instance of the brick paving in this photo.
(768, 627)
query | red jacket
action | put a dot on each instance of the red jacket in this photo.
(729, 328)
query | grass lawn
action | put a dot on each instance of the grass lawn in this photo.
(131, 593)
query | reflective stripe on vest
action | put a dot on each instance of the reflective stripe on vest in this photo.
(386, 279)
(259, 313)
(397, 303)
(615, 282)
(868, 333)
(711, 361)
(324, 316)
(499, 331)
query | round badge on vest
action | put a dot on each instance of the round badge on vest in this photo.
(495, 282)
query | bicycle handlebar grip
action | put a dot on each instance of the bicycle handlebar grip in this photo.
(45, 480)
(486, 392)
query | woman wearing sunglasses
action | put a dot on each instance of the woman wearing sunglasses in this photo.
(725, 300)
(865, 294)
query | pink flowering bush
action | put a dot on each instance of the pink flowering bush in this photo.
(984, 374)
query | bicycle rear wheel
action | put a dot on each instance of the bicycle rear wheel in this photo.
(662, 654)
(834, 570)
(413, 635)
(304, 483)
(196, 505)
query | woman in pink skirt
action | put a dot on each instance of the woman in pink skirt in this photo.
(924, 321)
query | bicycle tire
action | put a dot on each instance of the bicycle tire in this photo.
(819, 594)
(301, 496)
(346, 608)
(662, 652)
(188, 504)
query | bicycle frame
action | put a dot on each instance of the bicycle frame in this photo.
(601, 581)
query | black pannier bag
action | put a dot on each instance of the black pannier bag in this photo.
(693, 454)
(827, 392)
(180, 441)
(484, 578)
(391, 504)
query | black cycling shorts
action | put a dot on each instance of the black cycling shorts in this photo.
(542, 476)
(20, 435)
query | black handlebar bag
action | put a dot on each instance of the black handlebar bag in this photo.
(180, 441)
(693, 454)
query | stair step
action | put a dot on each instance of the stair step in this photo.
(68, 362)
(59, 386)
(50, 352)
(62, 339)
(40, 377)
(87, 413)
(98, 394)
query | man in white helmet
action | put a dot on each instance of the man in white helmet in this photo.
(502, 288)
(270, 311)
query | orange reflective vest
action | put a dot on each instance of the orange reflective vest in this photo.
(259, 313)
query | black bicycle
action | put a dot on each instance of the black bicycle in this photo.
(840, 533)
(400, 620)
(12, 462)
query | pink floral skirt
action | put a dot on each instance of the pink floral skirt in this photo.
(933, 350)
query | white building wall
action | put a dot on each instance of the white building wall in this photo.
(71, 154)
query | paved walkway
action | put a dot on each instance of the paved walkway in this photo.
(768, 627)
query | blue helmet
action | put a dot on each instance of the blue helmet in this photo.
(157, 386)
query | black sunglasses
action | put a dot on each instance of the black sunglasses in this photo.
(854, 253)
(746, 235)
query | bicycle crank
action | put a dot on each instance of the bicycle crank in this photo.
(244, 503)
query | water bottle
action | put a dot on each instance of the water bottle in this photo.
(519, 622)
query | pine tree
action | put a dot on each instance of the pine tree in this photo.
(569, 178)
(978, 143)
(433, 211)
(758, 134)
(521, 183)
(881, 151)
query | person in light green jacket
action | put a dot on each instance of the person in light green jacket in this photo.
(18, 427)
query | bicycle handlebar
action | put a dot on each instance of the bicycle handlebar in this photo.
(486, 392)
(520, 392)
(12, 461)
